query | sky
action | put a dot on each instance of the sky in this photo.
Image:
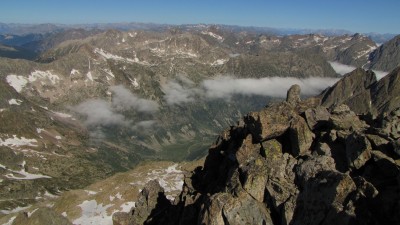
(362, 16)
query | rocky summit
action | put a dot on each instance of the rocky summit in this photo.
(330, 159)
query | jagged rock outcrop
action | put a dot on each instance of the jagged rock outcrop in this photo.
(387, 56)
(317, 161)
(363, 94)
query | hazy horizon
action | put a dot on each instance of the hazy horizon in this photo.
(368, 16)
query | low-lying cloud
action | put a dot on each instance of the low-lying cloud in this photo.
(342, 69)
(123, 99)
(99, 112)
(225, 87)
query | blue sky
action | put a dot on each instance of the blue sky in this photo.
(355, 15)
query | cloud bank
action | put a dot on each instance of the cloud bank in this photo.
(99, 112)
(225, 87)
(342, 69)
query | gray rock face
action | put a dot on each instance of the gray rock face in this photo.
(285, 165)
(364, 94)
(293, 95)
(352, 85)
(387, 56)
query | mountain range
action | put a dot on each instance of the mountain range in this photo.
(93, 103)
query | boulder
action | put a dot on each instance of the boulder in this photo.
(342, 118)
(316, 117)
(323, 199)
(247, 151)
(310, 166)
(271, 122)
(293, 95)
(254, 177)
(300, 135)
(245, 210)
(151, 204)
(358, 150)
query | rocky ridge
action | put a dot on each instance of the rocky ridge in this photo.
(312, 161)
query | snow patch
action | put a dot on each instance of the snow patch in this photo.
(365, 52)
(32, 212)
(108, 71)
(42, 75)
(234, 55)
(74, 72)
(23, 174)
(132, 34)
(216, 36)
(49, 195)
(127, 206)
(93, 213)
(62, 115)
(89, 192)
(89, 76)
(134, 82)
(15, 210)
(10, 221)
(14, 101)
(17, 82)
(39, 130)
(186, 53)
(171, 179)
(219, 62)
(18, 142)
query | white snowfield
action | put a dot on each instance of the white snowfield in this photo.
(99, 213)
(171, 179)
(18, 82)
(93, 213)
(219, 62)
(214, 35)
(18, 142)
(14, 101)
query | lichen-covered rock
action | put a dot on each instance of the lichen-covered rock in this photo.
(271, 122)
(309, 167)
(254, 177)
(293, 95)
(342, 118)
(300, 136)
(245, 210)
(316, 117)
(358, 150)
(225, 209)
(121, 218)
(324, 199)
